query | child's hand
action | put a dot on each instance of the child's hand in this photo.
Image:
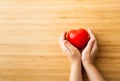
(72, 52)
(90, 50)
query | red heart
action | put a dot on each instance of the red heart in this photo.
(78, 38)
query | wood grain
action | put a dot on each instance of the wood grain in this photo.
(30, 29)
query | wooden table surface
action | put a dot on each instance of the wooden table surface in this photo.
(30, 29)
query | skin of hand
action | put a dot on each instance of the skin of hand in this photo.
(88, 55)
(74, 56)
(89, 52)
(72, 52)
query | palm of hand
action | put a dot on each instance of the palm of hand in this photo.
(74, 54)
(90, 50)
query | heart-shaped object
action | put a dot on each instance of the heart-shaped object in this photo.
(78, 38)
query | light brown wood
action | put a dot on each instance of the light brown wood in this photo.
(30, 29)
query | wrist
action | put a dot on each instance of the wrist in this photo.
(76, 62)
(87, 64)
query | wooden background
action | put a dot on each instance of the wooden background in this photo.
(30, 29)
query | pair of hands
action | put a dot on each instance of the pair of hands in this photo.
(75, 55)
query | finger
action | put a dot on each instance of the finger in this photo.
(89, 46)
(63, 36)
(63, 44)
(71, 47)
(62, 40)
(64, 47)
(94, 49)
(91, 34)
(90, 43)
